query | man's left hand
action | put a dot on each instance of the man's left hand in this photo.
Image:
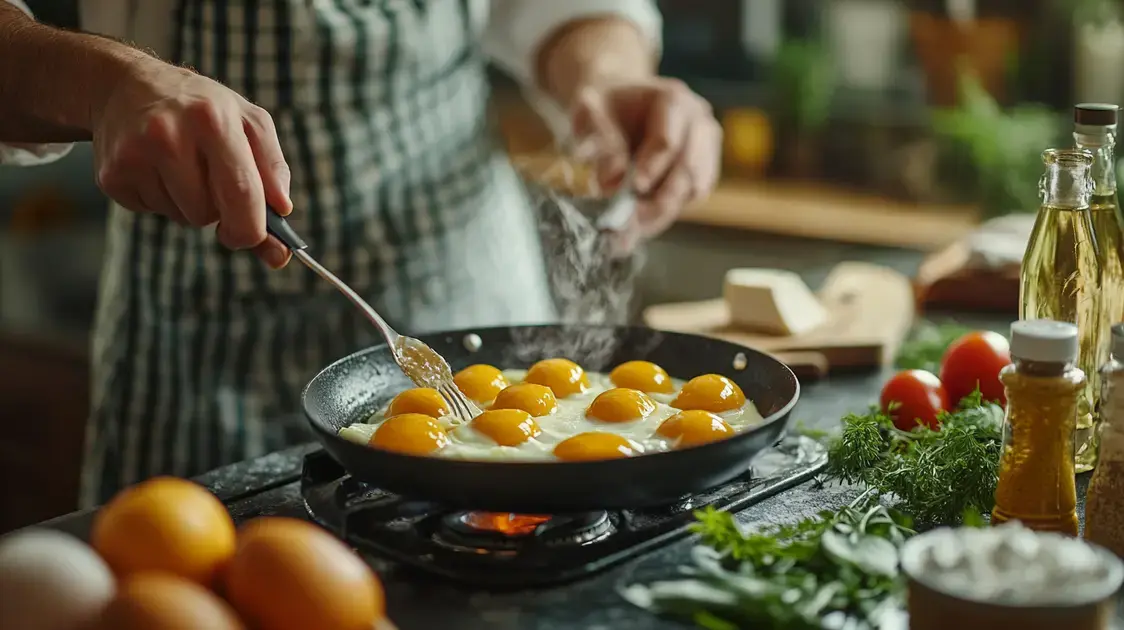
(667, 131)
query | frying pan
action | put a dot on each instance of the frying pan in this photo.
(356, 386)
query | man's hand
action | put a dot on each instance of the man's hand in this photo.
(169, 141)
(666, 130)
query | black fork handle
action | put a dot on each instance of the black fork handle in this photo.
(276, 225)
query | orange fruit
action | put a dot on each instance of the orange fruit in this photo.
(159, 601)
(291, 575)
(166, 525)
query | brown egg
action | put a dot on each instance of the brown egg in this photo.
(165, 525)
(287, 574)
(161, 601)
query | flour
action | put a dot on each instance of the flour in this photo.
(1012, 565)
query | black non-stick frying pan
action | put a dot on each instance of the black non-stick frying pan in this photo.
(356, 386)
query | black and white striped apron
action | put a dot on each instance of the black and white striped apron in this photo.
(398, 186)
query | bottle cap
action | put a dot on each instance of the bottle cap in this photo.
(1044, 340)
(1118, 341)
(1095, 114)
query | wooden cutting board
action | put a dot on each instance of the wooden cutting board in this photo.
(870, 311)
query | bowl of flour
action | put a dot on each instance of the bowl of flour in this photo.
(1009, 576)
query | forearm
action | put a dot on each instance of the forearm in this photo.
(54, 82)
(591, 52)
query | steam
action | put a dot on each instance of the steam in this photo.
(593, 289)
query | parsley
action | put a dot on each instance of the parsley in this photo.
(837, 569)
(935, 476)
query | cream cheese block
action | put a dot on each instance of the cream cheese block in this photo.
(771, 301)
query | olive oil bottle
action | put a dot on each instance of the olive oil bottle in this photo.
(1094, 129)
(1061, 277)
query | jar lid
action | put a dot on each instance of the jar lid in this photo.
(1044, 340)
(1118, 341)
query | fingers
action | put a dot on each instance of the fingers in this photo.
(600, 134)
(236, 187)
(662, 142)
(671, 112)
(273, 253)
(274, 170)
(695, 170)
(176, 176)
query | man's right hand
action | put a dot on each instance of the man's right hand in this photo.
(169, 141)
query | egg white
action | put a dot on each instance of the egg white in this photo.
(567, 420)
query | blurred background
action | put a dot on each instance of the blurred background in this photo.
(854, 129)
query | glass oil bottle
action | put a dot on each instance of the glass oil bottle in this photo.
(1061, 277)
(1036, 464)
(1104, 503)
(1095, 130)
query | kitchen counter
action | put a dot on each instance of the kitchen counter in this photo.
(269, 485)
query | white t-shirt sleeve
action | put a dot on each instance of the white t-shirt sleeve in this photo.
(516, 29)
(22, 154)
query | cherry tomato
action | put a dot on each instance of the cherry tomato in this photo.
(919, 398)
(975, 360)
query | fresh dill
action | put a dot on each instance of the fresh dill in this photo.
(837, 569)
(935, 476)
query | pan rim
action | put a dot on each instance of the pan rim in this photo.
(781, 415)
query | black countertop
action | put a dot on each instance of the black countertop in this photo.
(268, 486)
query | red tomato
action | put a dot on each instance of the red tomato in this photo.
(975, 360)
(920, 397)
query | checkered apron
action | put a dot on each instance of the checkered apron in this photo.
(398, 187)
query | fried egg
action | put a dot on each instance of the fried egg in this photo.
(556, 411)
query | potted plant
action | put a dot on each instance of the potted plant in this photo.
(1098, 56)
(951, 36)
(801, 89)
(1002, 148)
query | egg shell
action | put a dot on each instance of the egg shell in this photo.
(288, 574)
(161, 601)
(51, 581)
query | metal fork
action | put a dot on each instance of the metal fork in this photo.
(418, 361)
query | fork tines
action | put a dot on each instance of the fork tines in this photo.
(462, 407)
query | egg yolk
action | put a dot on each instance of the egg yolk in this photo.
(562, 376)
(694, 427)
(621, 405)
(710, 392)
(642, 376)
(480, 382)
(536, 400)
(410, 433)
(507, 427)
(591, 446)
(423, 400)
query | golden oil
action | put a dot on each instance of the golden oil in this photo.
(1061, 278)
(1095, 130)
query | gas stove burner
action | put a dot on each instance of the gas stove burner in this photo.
(532, 550)
(492, 531)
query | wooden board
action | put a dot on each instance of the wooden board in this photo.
(870, 312)
(812, 211)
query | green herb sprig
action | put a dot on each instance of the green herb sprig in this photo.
(839, 568)
(935, 476)
(926, 346)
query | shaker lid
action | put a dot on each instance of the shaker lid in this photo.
(1118, 341)
(1044, 340)
(1095, 114)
